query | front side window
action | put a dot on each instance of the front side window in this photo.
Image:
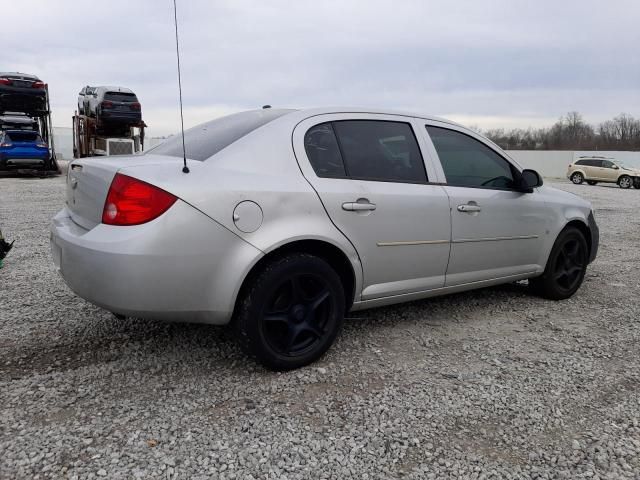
(380, 150)
(469, 163)
(607, 164)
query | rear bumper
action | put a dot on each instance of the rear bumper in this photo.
(8, 162)
(181, 266)
(121, 117)
(595, 237)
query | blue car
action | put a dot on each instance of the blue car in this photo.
(22, 149)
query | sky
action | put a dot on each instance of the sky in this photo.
(486, 64)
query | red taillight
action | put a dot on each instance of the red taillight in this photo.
(107, 104)
(6, 144)
(5, 81)
(37, 85)
(131, 202)
(135, 106)
(41, 145)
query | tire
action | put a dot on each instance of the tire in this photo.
(625, 181)
(592, 182)
(577, 178)
(566, 266)
(636, 182)
(291, 312)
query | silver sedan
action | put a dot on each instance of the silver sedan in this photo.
(290, 218)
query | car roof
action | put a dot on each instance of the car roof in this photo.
(311, 112)
(18, 74)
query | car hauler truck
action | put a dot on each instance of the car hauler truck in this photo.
(27, 111)
(92, 137)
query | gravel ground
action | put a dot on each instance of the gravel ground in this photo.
(487, 384)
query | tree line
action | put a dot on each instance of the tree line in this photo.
(571, 132)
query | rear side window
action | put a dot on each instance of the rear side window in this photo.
(469, 163)
(209, 138)
(120, 97)
(324, 154)
(380, 150)
(365, 150)
(23, 137)
(589, 163)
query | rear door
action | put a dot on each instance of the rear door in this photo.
(594, 170)
(496, 231)
(369, 172)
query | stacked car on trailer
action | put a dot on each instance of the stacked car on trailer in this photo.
(108, 122)
(26, 134)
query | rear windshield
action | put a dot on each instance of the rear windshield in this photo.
(23, 137)
(209, 138)
(120, 97)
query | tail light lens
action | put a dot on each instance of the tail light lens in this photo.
(6, 144)
(37, 85)
(131, 202)
(5, 81)
(107, 104)
(41, 145)
(135, 106)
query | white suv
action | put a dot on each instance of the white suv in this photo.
(600, 169)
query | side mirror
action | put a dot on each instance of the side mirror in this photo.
(616, 167)
(530, 180)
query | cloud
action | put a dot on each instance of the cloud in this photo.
(515, 62)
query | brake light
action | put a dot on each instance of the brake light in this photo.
(37, 85)
(107, 104)
(135, 106)
(6, 144)
(131, 202)
(41, 145)
(5, 81)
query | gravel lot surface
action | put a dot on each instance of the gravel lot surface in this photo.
(489, 384)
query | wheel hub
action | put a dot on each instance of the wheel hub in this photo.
(297, 313)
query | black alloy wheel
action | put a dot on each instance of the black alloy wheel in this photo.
(291, 312)
(566, 266)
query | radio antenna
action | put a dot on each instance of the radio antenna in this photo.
(185, 169)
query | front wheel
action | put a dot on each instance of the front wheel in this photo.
(577, 178)
(592, 182)
(565, 267)
(636, 182)
(625, 181)
(291, 312)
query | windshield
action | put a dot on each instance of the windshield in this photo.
(209, 138)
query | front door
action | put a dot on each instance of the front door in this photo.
(373, 182)
(496, 231)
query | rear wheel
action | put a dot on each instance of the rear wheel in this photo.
(291, 312)
(577, 178)
(592, 182)
(565, 268)
(625, 181)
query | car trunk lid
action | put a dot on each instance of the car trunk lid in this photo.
(89, 179)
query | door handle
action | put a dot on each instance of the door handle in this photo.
(358, 206)
(469, 208)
